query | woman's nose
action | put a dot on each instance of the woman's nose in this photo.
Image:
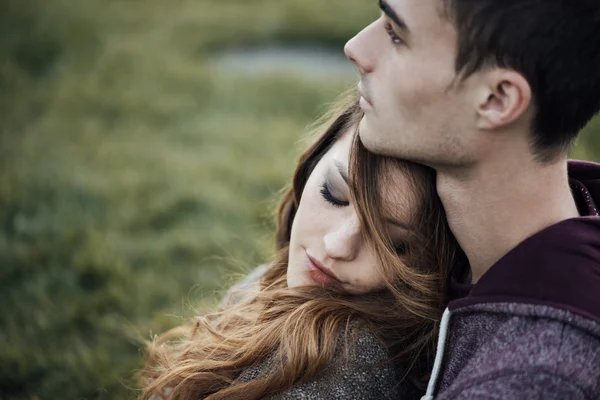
(344, 242)
(358, 51)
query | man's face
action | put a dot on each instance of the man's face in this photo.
(412, 110)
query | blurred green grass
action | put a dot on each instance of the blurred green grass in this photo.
(135, 181)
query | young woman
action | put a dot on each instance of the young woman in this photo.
(349, 306)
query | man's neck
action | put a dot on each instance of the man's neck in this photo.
(495, 205)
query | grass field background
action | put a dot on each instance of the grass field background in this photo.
(136, 181)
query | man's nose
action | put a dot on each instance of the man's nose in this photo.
(359, 52)
(344, 242)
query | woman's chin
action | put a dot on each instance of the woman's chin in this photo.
(297, 280)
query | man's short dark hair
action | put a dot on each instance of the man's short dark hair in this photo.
(554, 44)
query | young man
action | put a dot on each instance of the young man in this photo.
(491, 94)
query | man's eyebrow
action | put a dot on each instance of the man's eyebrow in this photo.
(343, 170)
(389, 11)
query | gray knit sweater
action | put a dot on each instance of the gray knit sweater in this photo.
(363, 375)
(357, 377)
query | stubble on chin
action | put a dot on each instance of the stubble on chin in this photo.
(375, 140)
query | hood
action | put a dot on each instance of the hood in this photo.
(584, 178)
(557, 267)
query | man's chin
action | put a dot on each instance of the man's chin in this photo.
(369, 138)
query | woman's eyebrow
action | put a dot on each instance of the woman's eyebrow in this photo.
(342, 169)
(397, 223)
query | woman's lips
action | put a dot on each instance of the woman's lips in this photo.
(320, 273)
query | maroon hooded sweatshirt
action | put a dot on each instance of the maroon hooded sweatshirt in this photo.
(530, 328)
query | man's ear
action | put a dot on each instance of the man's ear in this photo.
(504, 97)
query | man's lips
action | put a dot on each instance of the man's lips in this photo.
(364, 95)
(315, 266)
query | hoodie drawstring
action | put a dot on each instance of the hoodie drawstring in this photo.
(439, 356)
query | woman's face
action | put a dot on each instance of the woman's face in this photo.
(326, 246)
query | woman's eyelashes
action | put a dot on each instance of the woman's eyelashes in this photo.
(330, 198)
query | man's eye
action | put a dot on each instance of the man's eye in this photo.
(330, 198)
(395, 38)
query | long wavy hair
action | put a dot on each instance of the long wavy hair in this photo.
(300, 328)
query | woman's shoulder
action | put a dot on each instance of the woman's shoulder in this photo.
(251, 283)
(361, 345)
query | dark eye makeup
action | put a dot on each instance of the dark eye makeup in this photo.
(330, 198)
(326, 193)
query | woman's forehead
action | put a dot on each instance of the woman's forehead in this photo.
(343, 145)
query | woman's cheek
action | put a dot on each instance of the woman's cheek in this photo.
(315, 211)
(368, 277)
(308, 219)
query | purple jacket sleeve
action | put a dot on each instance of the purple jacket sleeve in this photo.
(528, 385)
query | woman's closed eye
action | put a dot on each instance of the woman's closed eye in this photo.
(330, 198)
